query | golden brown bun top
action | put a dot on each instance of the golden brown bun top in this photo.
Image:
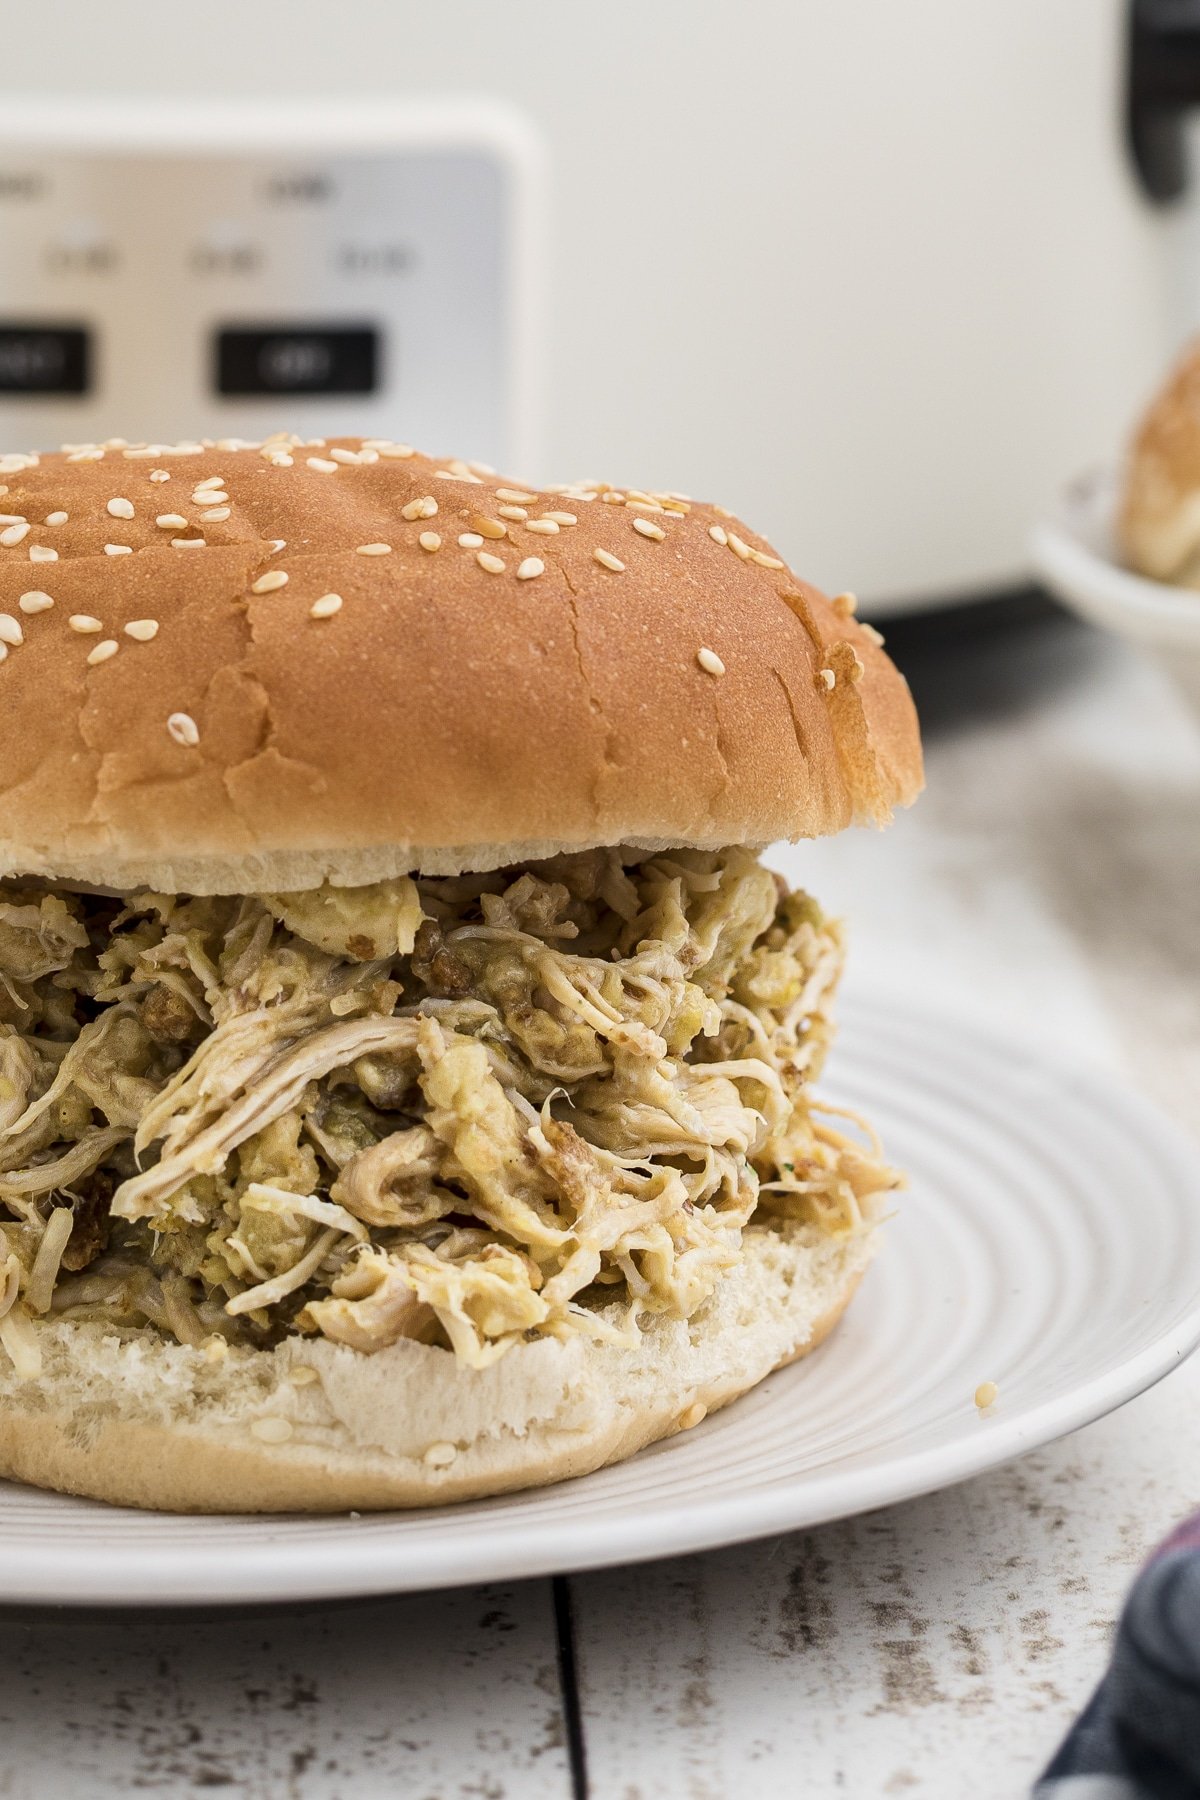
(466, 704)
(1158, 527)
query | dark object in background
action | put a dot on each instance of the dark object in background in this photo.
(1164, 83)
(1141, 1729)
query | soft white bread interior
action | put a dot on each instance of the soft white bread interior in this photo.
(143, 1422)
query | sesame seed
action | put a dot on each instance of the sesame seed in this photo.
(278, 544)
(303, 1375)
(612, 497)
(374, 550)
(183, 728)
(390, 450)
(325, 607)
(828, 677)
(13, 519)
(512, 512)
(12, 534)
(692, 1417)
(160, 475)
(709, 661)
(96, 455)
(440, 1456)
(764, 561)
(641, 504)
(559, 518)
(844, 605)
(209, 481)
(533, 565)
(429, 540)
(857, 668)
(718, 534)
(84, 622)
(214, 515)
(57, 518)
(279, 459)
(142, 630)
(515, 495)
(493, 564)
(423, 508)
(322, 464)
(456, 475)
(344, 456)
(481, 468)
(171, 522)
(210, 497)
(108, 647)
(647, 528)
(120, 509)
(35, 601)
(489, 528)
(544, 527)
(266, 584)
(3, 652)
(985, 1394)
(739, 546)
(42, 553)
(118, 549)
(470, 540)
(272, 1431)
(870, 633)
(607, 560)
(10, 630)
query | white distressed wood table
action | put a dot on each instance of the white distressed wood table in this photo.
(1050, 878)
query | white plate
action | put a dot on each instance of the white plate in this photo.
(1050, 1243)
(1073, 552)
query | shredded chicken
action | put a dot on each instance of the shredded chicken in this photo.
(468, 1110)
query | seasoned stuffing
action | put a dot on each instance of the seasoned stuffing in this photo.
(469, 1111)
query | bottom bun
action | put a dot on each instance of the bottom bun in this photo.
(143, 1422)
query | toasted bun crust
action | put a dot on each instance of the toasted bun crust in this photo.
(141, 1422)
(1158, 526)
(447, 716)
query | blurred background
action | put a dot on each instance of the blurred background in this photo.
(880, 276)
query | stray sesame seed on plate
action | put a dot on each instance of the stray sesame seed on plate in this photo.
(10, 630)
(607, 560)
(827, 678)
(516, 496)
(493, 564)
(718, 534)
(42, 553)
(118, 549)
(423, 508)
(429, 540)
(470, 540)
(544, 527)
(12, 534)
(84, 622)
(647, 528)
(322, 464)
(183, 728)
(489, 528)
(325, 607)
(374, 550)
(266, 584)
(57, 518)
(512, 512)
(120, 508)
(107, 648)
(171, 522)
(35, 601)
(187, 543)
(215, 515)
(533, 565)
(142, 630)
(709, 661)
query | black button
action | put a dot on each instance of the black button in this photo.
(297, 359)
(44, 359)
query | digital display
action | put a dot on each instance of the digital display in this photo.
(297, 359)
(44, 359)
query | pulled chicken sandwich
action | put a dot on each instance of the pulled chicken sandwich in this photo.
(406, 1067)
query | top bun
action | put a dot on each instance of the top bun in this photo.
(1158, 527)
(647, 674)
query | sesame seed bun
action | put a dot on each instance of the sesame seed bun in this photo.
(1158, 526)
(313, 678)
(140, 1421)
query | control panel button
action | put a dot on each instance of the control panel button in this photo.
(297, 359)
(44, 359)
